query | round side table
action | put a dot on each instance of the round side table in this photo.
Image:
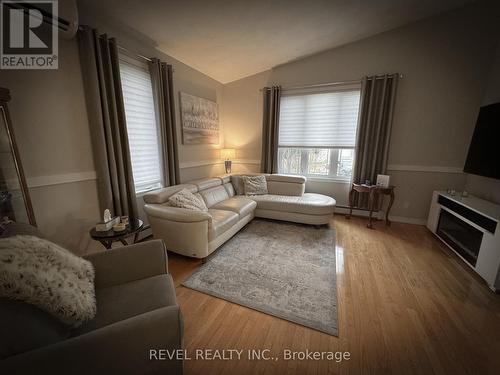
(107, 238)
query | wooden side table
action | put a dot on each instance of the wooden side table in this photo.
(374, 194)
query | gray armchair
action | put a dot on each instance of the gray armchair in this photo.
(137, 312)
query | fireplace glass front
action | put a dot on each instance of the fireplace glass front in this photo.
(460, 236)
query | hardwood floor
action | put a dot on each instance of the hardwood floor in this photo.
(407, 305)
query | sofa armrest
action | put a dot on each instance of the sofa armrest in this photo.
(129, 263)
(182, 215)
(119, 348)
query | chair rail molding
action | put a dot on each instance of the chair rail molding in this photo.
(66, 178)
(424, 168)
(57, 179)
(202, 163)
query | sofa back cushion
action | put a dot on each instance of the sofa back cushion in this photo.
(230, 189)
(162, 195)
(207, 183)
(285, 188)
(214, 195)
(237, 182)
(279, 184)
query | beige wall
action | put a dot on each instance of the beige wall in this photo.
(484, 187)
(241, 113)
(186, 79)
(443, 60)
(51, 128)
(50, 121)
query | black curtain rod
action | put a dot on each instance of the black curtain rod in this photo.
(80, 27)
(351, 82)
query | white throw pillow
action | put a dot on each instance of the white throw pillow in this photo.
(43, 274)
(255, 185)
(185, 199)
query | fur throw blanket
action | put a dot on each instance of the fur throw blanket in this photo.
(44, 274)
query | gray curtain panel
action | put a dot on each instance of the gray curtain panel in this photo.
(103, 92)
(270, 129)
(163, 90)
(378, 94)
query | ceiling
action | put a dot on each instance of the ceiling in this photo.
(232, 39)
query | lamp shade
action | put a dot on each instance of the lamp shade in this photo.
(228, 153)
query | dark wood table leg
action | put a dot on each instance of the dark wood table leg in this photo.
(387, 221)
(136, 237)
(122, 240)
(370, 206)
(106, 244)
(351, 203)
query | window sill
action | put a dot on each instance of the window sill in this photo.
(329, 180)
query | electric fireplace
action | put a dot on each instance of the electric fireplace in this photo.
(470, 226)
(462, 237)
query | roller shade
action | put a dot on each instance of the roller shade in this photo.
(143, 134)
(326, 119)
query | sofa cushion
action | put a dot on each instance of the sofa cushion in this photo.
(120, 302)
(309, 203)
(255, 185)
(214, 195)
(237, 182)
(285, 188)
(225, 178)
(222, 220)
(161, 196)
(188, 200)
(25, 327)
(207, 183)
(286, 178)
(230, 189)
(241, 205)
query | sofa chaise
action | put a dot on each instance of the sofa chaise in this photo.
(197, 233)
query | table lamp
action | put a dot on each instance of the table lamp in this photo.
(227, 154)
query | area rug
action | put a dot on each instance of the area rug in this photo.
(282, 269)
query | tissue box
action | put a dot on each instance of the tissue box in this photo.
(108, 225)
(383, 180)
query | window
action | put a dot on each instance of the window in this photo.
(317, 133)
(142, 129)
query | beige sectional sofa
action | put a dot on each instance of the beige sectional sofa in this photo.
(197, 234)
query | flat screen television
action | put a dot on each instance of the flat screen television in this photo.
(483, 157)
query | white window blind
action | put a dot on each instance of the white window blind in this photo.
(143, 133)
(326, 119)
